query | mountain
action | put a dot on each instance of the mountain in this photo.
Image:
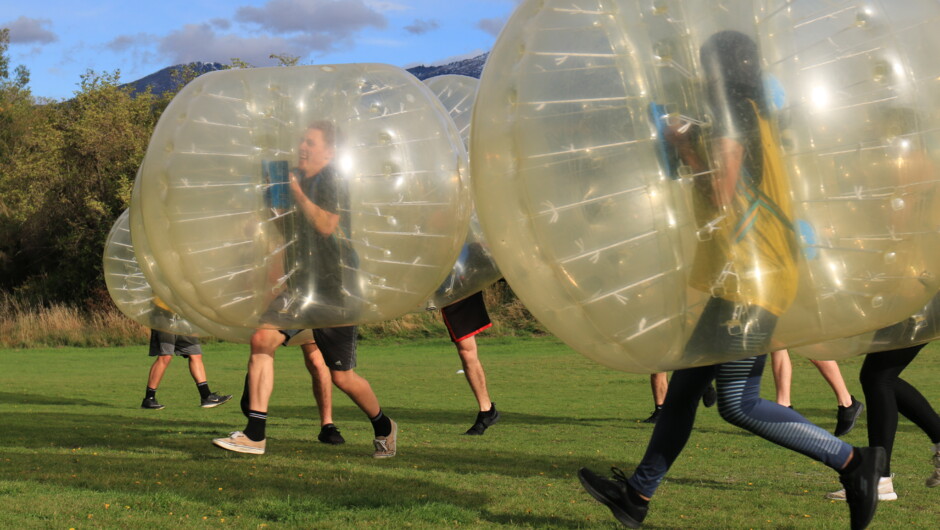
(469, 67)
(164, 80)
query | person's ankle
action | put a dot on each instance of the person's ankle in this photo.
(854, 462)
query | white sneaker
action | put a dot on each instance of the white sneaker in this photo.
(934, 480)
(238, 442)
(885, 491)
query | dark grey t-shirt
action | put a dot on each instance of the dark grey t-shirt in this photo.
(322, 261)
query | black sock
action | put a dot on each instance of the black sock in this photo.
(492, 409)
(246, 399)
(854, 463)
(203, 388)
(256, 423)
(381, 425)
(151, 393)
(635, 497)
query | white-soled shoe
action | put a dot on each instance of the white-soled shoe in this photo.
(885, 491)
(238, 442)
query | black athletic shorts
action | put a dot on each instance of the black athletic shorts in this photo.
(466, 318)
(163, 343)
(338, 345)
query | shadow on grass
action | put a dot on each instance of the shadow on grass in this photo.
(10, 398)
(69, 430)
(128, 461)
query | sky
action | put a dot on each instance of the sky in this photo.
(59, 40)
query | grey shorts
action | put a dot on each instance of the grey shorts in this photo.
(338, 345)
(163, 343)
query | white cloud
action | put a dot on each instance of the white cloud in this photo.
(123, 43)
(421, 26)
(386, 6)
(199, 42)
(334, 18)
(492, 25)
(221, 23)
(30, 30)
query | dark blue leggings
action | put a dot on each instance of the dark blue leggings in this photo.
(739, 403)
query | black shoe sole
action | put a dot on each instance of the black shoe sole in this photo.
(480, 427)
(215, 404)
(618, 512)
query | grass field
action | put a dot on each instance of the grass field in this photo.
(77, 452)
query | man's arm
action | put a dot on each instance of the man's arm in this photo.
(325, 222)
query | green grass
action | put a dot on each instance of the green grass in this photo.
(76, 452)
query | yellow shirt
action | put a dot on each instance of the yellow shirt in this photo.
(747, 250)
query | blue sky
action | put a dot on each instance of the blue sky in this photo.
(58, 40)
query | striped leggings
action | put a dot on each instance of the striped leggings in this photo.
(739, 403)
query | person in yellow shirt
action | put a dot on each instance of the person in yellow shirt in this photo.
(746, 261)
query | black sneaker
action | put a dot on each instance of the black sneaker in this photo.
(710, 396)
(151, 403)
(861, 485)
(329, 434)
(614, 494)
(653, 417)
(484, 420)
(214, 400)
(847, 415)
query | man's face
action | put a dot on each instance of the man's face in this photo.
(314, 154)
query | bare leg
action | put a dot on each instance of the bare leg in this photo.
(358, 389)
(473, 370)
(157, 369)
(831, 373)
(197, 369)
(659, 384)
(783, 375)
(261, 367)
(321, 381)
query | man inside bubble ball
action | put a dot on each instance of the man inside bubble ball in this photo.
(317, 288)
(749, 267)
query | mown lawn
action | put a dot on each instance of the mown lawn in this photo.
(77, 452)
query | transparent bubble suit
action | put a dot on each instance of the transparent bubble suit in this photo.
(475, 268)
(920, 328)
(129, 288)
(609, 146)
(153, 279)
(228, 233)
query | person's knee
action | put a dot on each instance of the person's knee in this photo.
(164, 359)
(735, 408)
(345, 380)
(266, 341)
(872, 379)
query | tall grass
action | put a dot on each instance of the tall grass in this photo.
(31, 325)
(26, 325)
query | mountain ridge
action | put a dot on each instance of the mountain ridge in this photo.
(166, 79)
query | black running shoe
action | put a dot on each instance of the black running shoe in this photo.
(151, 403)
(654, 416)
(329, 434)
(847, 415)
(484, 420)
(615, 494)
(861, 485)
(710, 396)
(214, 400)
